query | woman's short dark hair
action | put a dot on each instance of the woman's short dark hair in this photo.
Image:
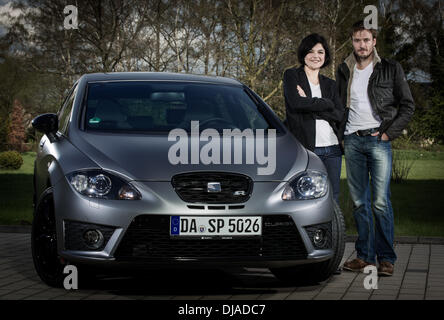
(308, 43)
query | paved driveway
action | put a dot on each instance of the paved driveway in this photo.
(419, 274)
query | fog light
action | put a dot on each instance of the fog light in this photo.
(319, 237)
(93, 238)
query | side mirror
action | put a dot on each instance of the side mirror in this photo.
(47, 123)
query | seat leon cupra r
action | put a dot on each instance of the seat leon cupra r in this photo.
(160, 169)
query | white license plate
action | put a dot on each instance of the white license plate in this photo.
(215, 226)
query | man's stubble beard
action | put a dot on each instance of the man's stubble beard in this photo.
(362, 58)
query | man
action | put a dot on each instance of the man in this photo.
(379, 106)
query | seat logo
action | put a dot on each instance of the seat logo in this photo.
(214, 187)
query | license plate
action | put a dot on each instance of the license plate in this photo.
(187, 226)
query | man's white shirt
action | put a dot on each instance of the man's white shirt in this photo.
(361, 116)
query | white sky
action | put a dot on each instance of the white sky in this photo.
(5, 8)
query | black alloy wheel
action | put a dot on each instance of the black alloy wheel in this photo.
(44, 244)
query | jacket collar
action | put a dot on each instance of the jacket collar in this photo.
(350, 61)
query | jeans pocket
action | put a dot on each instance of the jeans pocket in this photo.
(384, 145)
(335, 151)
(383, 141)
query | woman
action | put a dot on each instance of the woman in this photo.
(314, 111)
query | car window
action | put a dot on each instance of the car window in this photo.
(135, 106)
(65, 112)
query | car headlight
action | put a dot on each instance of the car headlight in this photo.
(307, 185)
(100, 184)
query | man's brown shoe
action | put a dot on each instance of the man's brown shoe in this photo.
(356, 265)
(385, 269)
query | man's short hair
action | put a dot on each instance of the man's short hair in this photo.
(359, 26)
(308, 43)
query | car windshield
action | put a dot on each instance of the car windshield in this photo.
(145, 106)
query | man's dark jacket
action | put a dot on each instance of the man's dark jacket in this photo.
(388, 92)
(302, 112)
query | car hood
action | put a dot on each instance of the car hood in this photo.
(146, 157)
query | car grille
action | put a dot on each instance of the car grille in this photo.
(192, 187)
(148, 238)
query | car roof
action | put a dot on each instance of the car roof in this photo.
(157, 76)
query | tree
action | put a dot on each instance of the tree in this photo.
(16, 132)
(106, 31)
(12, 81)
(256, 25)
(419, 46)
(250, 40)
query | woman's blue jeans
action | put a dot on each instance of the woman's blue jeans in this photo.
(331, 156)
(369, 166)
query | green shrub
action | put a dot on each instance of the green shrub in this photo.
(401, 166)
(405, 143)
(10, 160)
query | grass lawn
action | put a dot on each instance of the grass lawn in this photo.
(417, 203)
(417, 207)
(16, 193)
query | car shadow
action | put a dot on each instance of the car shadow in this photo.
(160, 283)
(165, 283)
(185, 283)
(182, 282)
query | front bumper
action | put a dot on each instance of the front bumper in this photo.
(139, 233)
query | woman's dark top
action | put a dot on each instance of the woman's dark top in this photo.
(302, 112)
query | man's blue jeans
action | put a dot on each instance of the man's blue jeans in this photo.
(331, 156)
(369, 166)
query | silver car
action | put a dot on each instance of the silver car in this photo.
(148, 170)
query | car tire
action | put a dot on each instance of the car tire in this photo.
(321, 271)
(44, 243)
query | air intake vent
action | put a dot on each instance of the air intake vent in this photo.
(148, 238)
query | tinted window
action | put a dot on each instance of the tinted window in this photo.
(65, 112)
(162, 106)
